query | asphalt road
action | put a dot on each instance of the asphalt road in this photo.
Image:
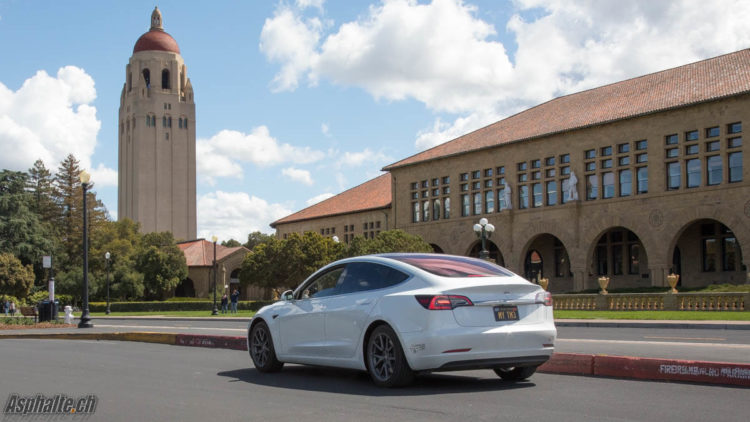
(145, 382)
(690, 344)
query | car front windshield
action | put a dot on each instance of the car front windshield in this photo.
(453, 266)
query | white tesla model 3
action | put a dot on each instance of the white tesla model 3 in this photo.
(395, 315)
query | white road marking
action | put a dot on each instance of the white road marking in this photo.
(655, 343)
(687, 338)
(172, 327)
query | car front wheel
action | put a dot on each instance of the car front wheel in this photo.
(261, 349)
(385, 359)
(515, 373)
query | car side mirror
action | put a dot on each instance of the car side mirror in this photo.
(287, 295)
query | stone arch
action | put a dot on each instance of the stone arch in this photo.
(496, 255)
(436, 248)
(555, 258)
(165, 82)
(146, 77)
(186, 288)
(621, 254)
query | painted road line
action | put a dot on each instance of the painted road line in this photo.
(241, 330)
(686, 338)
(655, 343)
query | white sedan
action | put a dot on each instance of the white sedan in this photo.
(395, 315)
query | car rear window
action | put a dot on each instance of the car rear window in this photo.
(453, 266)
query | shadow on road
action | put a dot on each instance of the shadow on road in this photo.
(343, 381)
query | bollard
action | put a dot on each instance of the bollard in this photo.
(68, 314)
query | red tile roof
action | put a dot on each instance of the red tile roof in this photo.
(694, 83)
(200, 252)
(156, 40)
(373, 194)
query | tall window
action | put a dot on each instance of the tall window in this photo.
(477, 203)
(720, 251)
(465, 205)
(415, 212)
(634, 251)
(446, 208)
(592, 186)
(626, 182)
(425, 211)
(551, 193)
(608, 185)
(713, 169)
(693, 173)
(523, 197)
(489, 201)
(536, 189)
(436, 209)
(642, 174)
(673, 175)
(501, 205)
(165, 79)
(735, 166)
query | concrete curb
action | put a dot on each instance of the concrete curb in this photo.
(697, 325)
(626, 367)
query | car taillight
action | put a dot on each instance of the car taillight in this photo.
(443, 302)
(544, 298)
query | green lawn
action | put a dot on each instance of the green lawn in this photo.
(655, 315)
(239, 314)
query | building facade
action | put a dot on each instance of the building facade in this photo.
(156, 138)
(633, 181)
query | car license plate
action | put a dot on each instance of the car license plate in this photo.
(506, 313)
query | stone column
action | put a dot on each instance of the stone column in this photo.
(659, 274)
(579, 278)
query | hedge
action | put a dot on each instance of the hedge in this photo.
(171, 306)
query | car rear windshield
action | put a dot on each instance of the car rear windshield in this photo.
(453, 266)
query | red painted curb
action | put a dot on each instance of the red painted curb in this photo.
(569, 363)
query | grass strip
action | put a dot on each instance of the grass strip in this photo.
(655, 315)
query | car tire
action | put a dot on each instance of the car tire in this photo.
(261, 349)
(385, 359)
(518, 373)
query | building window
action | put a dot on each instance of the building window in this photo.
(623, 148)
(523, 197)
(523, 177)
(551, 173)
(377, 224)
(425, 184)
(476, 185)
(565, 170)
(713, 170)
(549, 161)
(536, 190)
(346, 228)
(735, 166)
(436, 209)
(673, 152)
(436, 192)
(536, 175)
(489, 201)
(601, 260)
(641, 145)
(477, 203)
(565, 158)
(446, 190)
(693, 173)
(488, 183)
(446, 180)
(435, 182)
(691, 149)
(501, 205)
(626, 182)
(535, 164)
(464, 177)
(671, 139)
(522, 166)
(616, 259)
(591, 166)
(415, 213)
(713, 146)
(487, 172)
(634, 251)
(623, 161)
(710, 254)
(712, 132)
(608, 185)
(464, 187)
(673, 175)
(552, 193)
(589, 154)
(179, 123)
(476, 174)
(446, 208)
(414, 185)
(606, 151)
(641, 158)
(465, 206)
(734, 128)
(592, 187)
(425, 211)
(184, 123)
(729, 253)
(164, 121)
(642, 174)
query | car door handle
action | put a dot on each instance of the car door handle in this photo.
(363, 302)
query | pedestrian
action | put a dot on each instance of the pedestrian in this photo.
(12, 308)
(224, 302)
(6, 307)
(235, 297)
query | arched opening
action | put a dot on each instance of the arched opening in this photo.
(546, 256)
(677, 264)
(436, 248)
(708, 253)
(619, 254)
(533, 268)
(495, 255)
(130, 81)
(185, 289)
(165, 79)
(147, 77)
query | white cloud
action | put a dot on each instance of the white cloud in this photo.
(325, 130)
(298, 175)
(357, 159)
(319, 198)
(447, 57)
(49, 118)
(233, 215)
(223, 154)
(303, 4)
(103, 176)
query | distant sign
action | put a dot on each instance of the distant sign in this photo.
(47, 261)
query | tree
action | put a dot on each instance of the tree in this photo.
(162, 264)
(386, 242)
(256, 238)
(122, 240)
(16, 279)
(231, 243)
(41, 186)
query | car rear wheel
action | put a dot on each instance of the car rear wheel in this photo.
(385, 359)
(261, 349)
(515, 373)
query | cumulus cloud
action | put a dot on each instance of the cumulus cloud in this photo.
(357, 159)
(103, 176)
(319, 198)
(447, 57)
(298, 175)
(223, 154)
(325, 130)
(234, 215)
(48, 117)
(303, 4)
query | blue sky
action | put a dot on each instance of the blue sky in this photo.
(300, 100)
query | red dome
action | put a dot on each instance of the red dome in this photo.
(156, 40)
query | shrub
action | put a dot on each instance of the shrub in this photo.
(195, 305)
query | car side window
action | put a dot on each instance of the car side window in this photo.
(323, 285)
(362, 276)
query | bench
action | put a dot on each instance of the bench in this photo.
(29, 311)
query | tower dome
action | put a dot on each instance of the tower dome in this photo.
(156, 38)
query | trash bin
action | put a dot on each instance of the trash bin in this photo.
(47, 310)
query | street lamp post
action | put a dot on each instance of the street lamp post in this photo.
(484, 230)
(85, 321)
(106, 256)
(216, 310)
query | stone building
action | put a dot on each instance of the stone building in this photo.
(632, 180)
(156, 137)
